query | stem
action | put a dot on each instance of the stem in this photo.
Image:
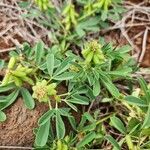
(50, 106)
(102, 120)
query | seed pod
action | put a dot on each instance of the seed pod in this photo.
(18, 74)
(6, 79)
(89, 57)
(66, 10)
(129, 142)
(28, 80)
(17, 81)
(96, 60)
(28, 70)
(45, 6)
(85, 52)
(67, 138)
(64, 147)
(59, 145)
(11, 63)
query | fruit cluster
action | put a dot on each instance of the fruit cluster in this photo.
(42, 90)
(43, 4)
(62, 144)
(70, 16)
(92, 53)
(104, 4)
(18, 75)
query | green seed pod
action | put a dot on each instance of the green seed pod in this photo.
(28, 80)
(129, 142)
(11, 63)
(67, 138)
(28, 70)
(18, 74)
(89, 57)
(59, 145)
(64, 147)
(96, 60)
(6, 78)
(85, 52)
(17, 81)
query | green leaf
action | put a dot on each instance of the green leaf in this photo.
(109, 85)
(124, 49)
(50, 63)
(2, 63)
(96, 88)
(144, 87)
(146, 123)
(113, 142)
(9, 100)
(71, 105)
(64, 76)
(117, 123)
(46, 117)
(136, 101)
(39, 52)
(86, 140)
(63, 66)
(60, 127)
(2, 116)
(7, 87)
(77, 99)
(122, 72)
(42, 134)
(64, 112)
(27, 98)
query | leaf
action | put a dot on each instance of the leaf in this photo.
(27, 98)
(64, 76)
(113, 142)
(146, 123)
(87, 139)
(96, 88)
(46, 117)
(117, 123)
(122, 72)
(64, 112)
(71, 105)
(63, 66)
(9, 100)
(2, 63)
(60, 127)
(7, 87)
(135, 101)
(124, 49)
(2, 116)
(144, 87)
(109, 85)
(42, 134)
(50, 63)
(39, 52)
(77, 99)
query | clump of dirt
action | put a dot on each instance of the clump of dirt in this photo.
(17, 130)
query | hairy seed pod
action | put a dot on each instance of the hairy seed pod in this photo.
(64, 147)
(28, 80)
(17, 81)
(96, 60)
(18, 74)
(59, 145)
(89, 57)
(6, 78)
(11, 63)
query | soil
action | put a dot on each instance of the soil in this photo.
(17, 130)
